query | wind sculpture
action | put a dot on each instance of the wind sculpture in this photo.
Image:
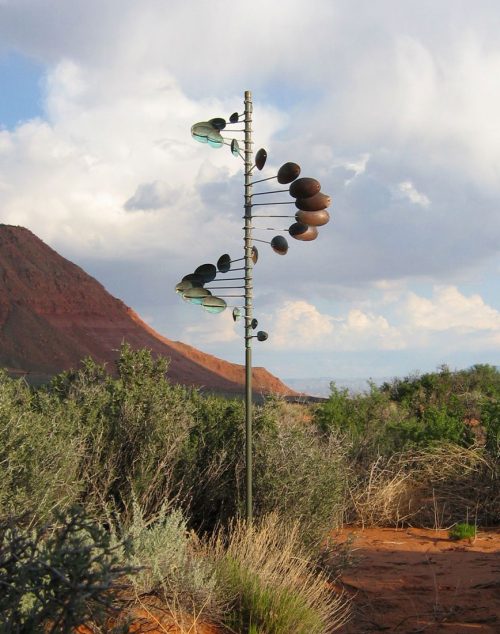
(311, 212)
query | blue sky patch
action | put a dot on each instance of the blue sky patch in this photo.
(20, 90)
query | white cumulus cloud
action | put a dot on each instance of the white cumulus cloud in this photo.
(450, 310)
(300, 325)
(404, 120)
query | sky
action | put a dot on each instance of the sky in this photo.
(393, 106)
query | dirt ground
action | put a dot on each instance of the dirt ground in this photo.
(153, 618)
(417, 580)
(408, 581)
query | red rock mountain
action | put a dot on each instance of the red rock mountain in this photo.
(52, 315)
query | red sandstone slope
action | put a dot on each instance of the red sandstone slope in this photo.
(52, 315)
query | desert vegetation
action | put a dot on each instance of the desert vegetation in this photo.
(118, 489)
(424, 449)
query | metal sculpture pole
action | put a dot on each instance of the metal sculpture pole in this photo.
(311, 204)
(248, 304)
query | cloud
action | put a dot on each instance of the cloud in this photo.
(394, 319)
(117, 118)
(299, 325)
(151, 196)
(72, 178)
(213, 330)
(357, 167)
(450, 310)
(408, 190)
(401, 129)
(418, 95)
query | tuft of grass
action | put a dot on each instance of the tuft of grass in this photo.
(272, 584)
(462, 530)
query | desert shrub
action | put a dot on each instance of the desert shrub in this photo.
(381, 494)
(464, 394)
(301, 475)
(298, 472)
(490, 419)
(339, 413)
(456, 482)
(418, 411)
(212, 461)
(56, 577)
(109, 442)
(353, 415)
(169, 563)
(438, 387)
(367, 421)
(434, 425)
(90, 438)
(274, 587)
(39, 452)
(133, 428)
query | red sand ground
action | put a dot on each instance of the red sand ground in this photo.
(151, 620)
(408, 581)
(417, 580)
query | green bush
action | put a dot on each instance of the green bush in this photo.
(108, 443)
(301, 475)
(418, 411)
(462, 530)
(297, 471)
(134, 428)
(363, 420)
(212, 461)
(290, 457)
(94, 439)
(490, 419)
(40, 452)
(435, 425)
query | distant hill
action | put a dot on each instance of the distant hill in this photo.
(320, 386)
(53, 314)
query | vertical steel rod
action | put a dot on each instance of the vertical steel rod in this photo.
(248, 304)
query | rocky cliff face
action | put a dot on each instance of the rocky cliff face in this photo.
(52, 315)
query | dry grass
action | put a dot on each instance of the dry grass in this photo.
(275, 587)
(455, 482)
(429, 487)
(384, 497)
